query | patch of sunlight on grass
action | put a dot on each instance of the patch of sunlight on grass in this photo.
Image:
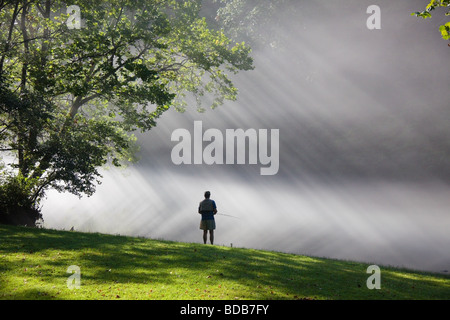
(117, 267)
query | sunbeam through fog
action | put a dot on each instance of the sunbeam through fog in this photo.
(363, 126)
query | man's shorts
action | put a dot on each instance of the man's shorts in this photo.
(208, 224)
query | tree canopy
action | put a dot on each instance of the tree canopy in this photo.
(72, 97)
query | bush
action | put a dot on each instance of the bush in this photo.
(16, 204)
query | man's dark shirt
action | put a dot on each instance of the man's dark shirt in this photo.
(205, 209)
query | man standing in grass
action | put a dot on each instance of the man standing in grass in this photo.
(207, 209)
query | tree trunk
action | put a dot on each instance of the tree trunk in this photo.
(8, 41)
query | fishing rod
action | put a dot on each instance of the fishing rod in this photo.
(227, 215)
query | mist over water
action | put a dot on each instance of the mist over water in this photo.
(364, 168)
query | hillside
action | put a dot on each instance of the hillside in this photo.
(34, 265)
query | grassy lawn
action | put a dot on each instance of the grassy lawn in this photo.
(34, 263)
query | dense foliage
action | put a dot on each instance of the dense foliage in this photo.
(75, 85)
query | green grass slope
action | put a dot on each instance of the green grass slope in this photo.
(34, 264)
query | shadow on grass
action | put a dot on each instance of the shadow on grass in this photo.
(113, 260)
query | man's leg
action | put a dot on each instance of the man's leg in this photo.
(211, 236)
(205, 236)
